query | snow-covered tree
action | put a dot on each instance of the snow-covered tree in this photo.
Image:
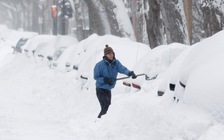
(154, 22)
(109, 17)
(207, 18)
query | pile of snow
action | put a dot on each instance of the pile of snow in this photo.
(5, 55)
(3, 32)
(200, 69)
(171, 76)
(8, 39)
(39, 41)
(11, 37)
(88, 52)
(157, 61)
(58, 42)
(14, 36)
(40, 103)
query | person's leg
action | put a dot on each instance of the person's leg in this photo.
(104, 97)
(100, 99)
(107, 102)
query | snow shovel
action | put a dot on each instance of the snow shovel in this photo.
(130, 76)
(86, 78)
(126, 83)
(136, 85)
(146, 77)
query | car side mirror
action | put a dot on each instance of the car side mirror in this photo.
(172, 86)
(75, 67)
(49, 58)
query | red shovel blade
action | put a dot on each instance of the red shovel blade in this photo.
(136, 86)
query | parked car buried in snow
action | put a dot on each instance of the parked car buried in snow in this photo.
(41, 40)
(19, 45)
(196, 77)
(155, 62)
(53, 59)
(55, 47)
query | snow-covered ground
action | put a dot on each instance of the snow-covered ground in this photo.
(41, 103)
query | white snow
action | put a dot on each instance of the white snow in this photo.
(123, 19)
(41, 103)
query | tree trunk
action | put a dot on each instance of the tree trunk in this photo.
(173, 22)
(79, 21)
(111, 17)
(95, 20)
(188, 14)
(154, 24)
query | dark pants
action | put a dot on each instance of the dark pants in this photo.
(104, 97)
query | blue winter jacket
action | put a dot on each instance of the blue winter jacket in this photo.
(104, 69)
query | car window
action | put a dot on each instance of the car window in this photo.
(58, 53)
(21, 42)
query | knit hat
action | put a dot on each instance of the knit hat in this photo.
(107, 50)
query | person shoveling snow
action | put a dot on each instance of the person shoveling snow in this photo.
(105, 73)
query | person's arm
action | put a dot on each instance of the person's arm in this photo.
(122, 69)
(97, 75)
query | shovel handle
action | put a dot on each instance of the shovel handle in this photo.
(147, 78)
(130, 76)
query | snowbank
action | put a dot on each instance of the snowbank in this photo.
(88, 52)
(200, 69)
(158, 60)
(41, 103)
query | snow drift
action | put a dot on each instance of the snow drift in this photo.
(41, 103)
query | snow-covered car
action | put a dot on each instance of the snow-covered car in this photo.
(84, 55)
(72, 56)
(32, 44)
(197, 76)
(54, 48)
(155, 62)
(16, 39)
(20, 44)
(170, 77)
(54, 58)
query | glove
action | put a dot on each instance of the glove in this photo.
(108, 81)
(132, 74)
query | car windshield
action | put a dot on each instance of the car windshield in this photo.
(21, 42)
(58, 53)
